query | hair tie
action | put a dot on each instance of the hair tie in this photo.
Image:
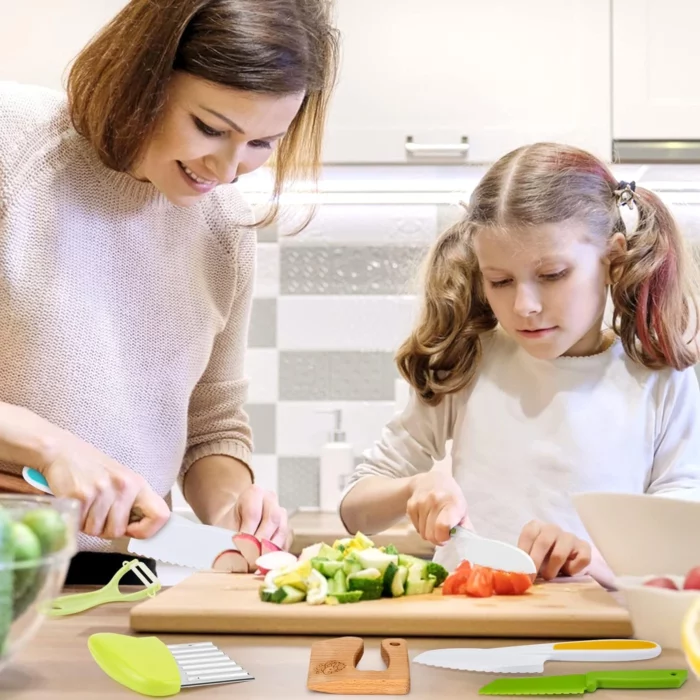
(624, 193)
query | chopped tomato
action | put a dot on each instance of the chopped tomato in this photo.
(450, 585)
(521, 583)
(455, 582)
(480, 582)
(465, 567)
(502, 583)
(510, 583)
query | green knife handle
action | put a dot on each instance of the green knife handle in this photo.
(673, 678)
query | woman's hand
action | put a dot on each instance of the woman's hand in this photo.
(553, 550)
(258, 512)
(436, 505)
(107, 490)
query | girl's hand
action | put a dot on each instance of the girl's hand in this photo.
(553, 550)
(435, 506)
(258, 512)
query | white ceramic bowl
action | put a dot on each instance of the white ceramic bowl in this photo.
(643, 537)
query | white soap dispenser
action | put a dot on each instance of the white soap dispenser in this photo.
(337, 463)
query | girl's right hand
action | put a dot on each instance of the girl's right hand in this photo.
(435, 506)
(107, 490)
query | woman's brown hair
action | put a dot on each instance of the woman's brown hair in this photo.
(117, 85)
(654, 290)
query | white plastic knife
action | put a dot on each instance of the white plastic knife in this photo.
(467, 545)
(531, 658)
(180, 541)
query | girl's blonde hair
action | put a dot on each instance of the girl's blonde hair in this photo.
(654, 289)
(117, 85)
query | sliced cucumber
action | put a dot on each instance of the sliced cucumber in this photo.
(369, 581)
(351, 565)
(395, 586)
(287, 595)
(347, 597)
(266, 594)
(376, 559)
(327, 552)
(421, 587)
(326, 567)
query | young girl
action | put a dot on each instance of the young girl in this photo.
(510, 359)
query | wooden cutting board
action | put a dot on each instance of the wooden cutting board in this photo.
(220, 603)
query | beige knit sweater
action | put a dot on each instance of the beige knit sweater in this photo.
(123, 318)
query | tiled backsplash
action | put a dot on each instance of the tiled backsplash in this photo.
(331, 306)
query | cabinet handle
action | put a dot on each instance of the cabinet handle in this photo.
(457, 149)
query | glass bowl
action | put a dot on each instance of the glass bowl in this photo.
(38, 538)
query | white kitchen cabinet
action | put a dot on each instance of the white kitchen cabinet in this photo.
(39, 38)
(656, 56)
(495, 74)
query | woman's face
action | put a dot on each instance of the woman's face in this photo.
(209, 135)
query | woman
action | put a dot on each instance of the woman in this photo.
(127, 259)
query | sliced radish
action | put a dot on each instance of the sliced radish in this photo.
(267, 547)
(231, 561)
(249, 547)
(275, 560)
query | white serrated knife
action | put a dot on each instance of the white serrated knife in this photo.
(531, 658)
(467, 545)
(180, 541)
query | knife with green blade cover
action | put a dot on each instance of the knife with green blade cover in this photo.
(579, 684)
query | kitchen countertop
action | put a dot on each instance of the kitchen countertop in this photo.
(311, 525)
(56, 665)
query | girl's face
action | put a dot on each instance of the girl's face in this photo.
(547, 286)
(209, 135)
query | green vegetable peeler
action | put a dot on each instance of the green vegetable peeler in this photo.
(79, 602)
(150, 667)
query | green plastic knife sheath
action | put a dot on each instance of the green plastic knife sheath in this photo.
(636, 679)
(586, 683)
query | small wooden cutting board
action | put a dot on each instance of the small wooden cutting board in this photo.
(333, 668)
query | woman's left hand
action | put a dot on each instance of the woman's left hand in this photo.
(258, 512)
(553, 550)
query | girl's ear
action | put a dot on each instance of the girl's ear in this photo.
(616, 248)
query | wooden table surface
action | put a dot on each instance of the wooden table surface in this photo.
(56, 665)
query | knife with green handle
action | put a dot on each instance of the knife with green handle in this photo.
(586, 682)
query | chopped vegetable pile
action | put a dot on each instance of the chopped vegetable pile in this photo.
(351, 570)
(354, 569)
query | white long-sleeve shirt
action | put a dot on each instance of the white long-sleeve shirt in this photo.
(528, 433)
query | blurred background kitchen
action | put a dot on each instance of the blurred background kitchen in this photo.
(430, 93)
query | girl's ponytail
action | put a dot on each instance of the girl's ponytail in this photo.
(654, 295)
(443, 351)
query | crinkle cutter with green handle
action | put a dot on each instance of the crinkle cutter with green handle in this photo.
(581, 683)
(150, 667)
(79, 602)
